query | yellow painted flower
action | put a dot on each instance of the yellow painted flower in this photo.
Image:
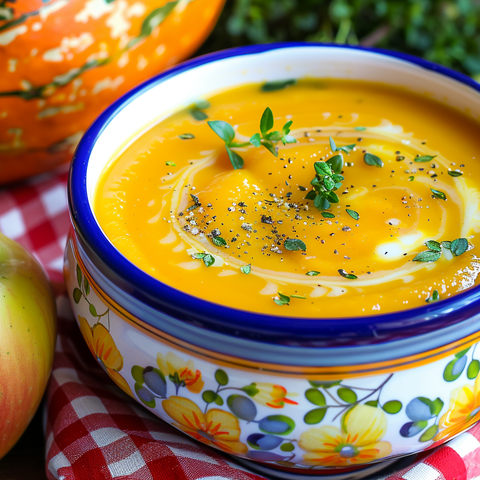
(216, 427)
(180, 371)
(101, 344)
(358, 443)
(270, 395)
(462, 412)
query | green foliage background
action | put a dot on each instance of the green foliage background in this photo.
(444, 31)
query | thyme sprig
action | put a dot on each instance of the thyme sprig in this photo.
(265, 138)
(435, 250)
(327, 179)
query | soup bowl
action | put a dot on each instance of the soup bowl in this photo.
(304, 396)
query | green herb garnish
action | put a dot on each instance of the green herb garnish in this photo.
(269, 139)
(327, 179)
(169, 163)
(360, 129)
(186, 136)
(196, 203)
(219, 242)
(298, 296)
(196, 110)
(277, 85)
(424, 158)
(345, 274)
(208, 259)
(327, 215)
(438, 194)
(459, 246)
(345, 148)
(353, 214)
(246, 269)
(294, 244)
(411, 178)
(454, 173)
(282, 299)
(434, 297)
(435, 249)
(312, 273)
(372, 160)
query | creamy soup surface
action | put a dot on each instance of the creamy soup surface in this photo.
(391, 221)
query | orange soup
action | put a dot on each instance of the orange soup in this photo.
(310, 199)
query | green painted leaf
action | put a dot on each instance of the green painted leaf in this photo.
(223, 129)
(92, 309)
(277, 425)
(315, 416)
(424, 158)
(459, 246)
(436, 406)
(156, 17)
(266, 122)
(462, 353)
(79, 276)
(294, 244)
(454, 369)
(209, 396)
(137, 374)
(372, 160)
(287, 447)
(429, 433)
(219, 400)
(372, 403)
(427, 256)
(145, 396)
(392, 407)
(324, 383)
(316, 397)
(221, 377)
(86, 286)
(77, 295)
(277, 85)
(347, 395)
(473, 369)
(251, 390)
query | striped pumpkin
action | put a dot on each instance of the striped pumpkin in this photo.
(63, 61)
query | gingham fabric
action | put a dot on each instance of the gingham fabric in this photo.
(94, 431)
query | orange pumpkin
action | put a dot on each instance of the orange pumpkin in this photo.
(63, 61)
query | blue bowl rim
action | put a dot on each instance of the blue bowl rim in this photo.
(157, 295)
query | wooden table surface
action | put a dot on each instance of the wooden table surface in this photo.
(26, 460)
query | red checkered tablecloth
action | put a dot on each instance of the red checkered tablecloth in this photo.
(94, 431)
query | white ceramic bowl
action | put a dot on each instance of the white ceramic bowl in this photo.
(305, 396)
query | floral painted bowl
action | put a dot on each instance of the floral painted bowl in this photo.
(306, 397)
